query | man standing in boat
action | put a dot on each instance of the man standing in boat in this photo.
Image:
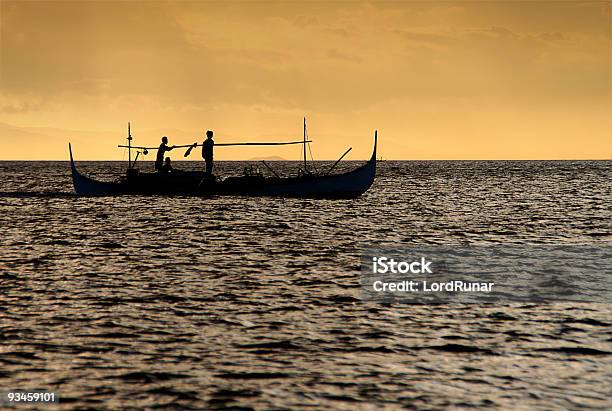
(207, 151)
(161, 152)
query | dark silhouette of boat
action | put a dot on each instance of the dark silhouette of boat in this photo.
(307, 185)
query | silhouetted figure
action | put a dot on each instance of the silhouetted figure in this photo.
(167, 167)
(163, 147)
(207, 151)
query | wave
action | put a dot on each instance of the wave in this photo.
(36, 194)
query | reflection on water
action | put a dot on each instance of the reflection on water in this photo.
(255, 302)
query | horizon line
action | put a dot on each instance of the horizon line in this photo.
(334, 159)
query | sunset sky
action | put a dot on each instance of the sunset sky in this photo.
(439, 80)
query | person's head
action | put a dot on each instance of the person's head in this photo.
(165, 140)
(168, 161)
(209, 134)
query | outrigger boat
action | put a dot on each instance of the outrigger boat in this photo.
(196, 183)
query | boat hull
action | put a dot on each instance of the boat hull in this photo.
(347, 185)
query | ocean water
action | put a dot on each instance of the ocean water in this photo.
(254, 303)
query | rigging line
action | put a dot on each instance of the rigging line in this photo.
(312, 158)
(310, 151)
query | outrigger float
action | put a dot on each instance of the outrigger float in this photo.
(307, 184)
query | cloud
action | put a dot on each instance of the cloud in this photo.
(20, 108)
(92, 64)
(426, 38)
(340, 55)
(196, 54)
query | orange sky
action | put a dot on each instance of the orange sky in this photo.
(439, 80)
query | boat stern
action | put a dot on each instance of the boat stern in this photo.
(84, 185)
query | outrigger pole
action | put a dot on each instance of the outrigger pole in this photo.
(192, 146)
(222, 144)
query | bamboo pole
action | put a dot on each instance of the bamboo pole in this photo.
(305, 144)
(222, 145)
(270, 168)
(336, 163)
(129, 139)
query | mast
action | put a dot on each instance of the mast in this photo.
(129, 139)
(304, 144)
